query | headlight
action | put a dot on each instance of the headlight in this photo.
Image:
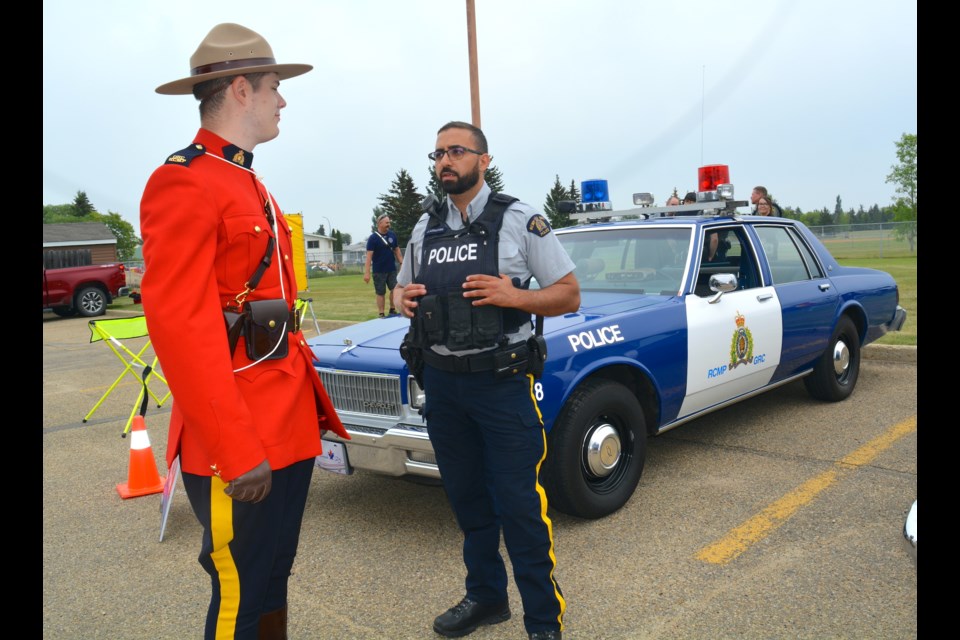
(415, 393)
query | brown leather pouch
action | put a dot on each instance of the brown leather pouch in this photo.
(266, 325)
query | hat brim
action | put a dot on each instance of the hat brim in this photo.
(184, 86)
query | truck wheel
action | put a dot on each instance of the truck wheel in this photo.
(65, 312)
(91, 301)
(836, 372)
(596, 450)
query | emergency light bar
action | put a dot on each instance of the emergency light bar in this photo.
(714, 197)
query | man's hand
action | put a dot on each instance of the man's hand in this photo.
(403, 298)
(485, 289)
(366, 277)
(252, 486)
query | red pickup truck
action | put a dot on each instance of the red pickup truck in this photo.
(84, 291)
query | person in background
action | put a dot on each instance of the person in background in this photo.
(383, 255)
(690, 198)
(481, 410)
(755, 195)
(673, 201)
(765, 206)
(246, 424)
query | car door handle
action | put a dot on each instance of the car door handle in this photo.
(764, 296)
(823, 286)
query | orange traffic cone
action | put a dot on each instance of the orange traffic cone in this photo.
(143, 478)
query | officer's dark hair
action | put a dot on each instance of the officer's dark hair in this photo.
(480, 139)
(211, 92)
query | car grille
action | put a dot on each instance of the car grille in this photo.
(372, 394)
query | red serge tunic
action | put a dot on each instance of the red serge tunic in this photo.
(205, 230)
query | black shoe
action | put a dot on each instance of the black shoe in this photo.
(468, 615)
(545, 635)
(393, 312)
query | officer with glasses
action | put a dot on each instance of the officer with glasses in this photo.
(471, 307)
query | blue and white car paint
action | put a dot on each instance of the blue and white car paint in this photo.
(661, 338)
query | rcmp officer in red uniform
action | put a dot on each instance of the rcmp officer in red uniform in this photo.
(246, 424)
(464, 283)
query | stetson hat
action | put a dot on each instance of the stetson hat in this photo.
(229, 50)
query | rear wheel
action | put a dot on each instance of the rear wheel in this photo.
(835, 374)
(91, 301)
(596, 450)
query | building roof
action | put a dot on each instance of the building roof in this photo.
(71, 233)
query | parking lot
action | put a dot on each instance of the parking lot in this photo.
(779, 517)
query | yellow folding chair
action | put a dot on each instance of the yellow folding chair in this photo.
(111, 332)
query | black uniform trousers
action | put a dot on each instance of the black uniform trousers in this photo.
(248, 549)
(489, 441)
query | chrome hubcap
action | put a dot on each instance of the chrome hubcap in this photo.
(602, 451)
(841, 358)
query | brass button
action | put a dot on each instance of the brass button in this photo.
(513, 356)
(272, 323)
(286, 257)
(257, 228)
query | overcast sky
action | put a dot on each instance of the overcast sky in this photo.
(805, 97)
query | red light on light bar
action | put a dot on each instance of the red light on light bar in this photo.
(709, 176)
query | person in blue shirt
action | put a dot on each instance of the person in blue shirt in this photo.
(383, 255)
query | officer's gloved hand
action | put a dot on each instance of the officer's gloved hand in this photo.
(252, 486)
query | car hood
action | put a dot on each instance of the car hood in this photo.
(373, 345)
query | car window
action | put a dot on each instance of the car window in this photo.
(789, 257)
(637, 260)
(733, 255)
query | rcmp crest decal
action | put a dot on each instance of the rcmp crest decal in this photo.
(741, 346)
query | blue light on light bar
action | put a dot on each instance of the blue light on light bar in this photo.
(594, 191)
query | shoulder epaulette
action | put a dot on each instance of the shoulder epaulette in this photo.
(186, 156)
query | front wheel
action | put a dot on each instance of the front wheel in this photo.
(91, 301)
(596, 450)
(835, 374)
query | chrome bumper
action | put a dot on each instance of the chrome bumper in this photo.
(397, 451)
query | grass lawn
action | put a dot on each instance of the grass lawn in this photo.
(349, 298)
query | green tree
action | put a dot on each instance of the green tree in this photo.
(57, 213)
(904, 176)
(402, 204)
(837, 217)
(557, 193)
(337, 241)
(321, 230)
(494, 179)
(127, 240)
(82, 206)
(377, 212)
(434, 186)
(573, 193)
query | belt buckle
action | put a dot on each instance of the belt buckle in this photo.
(296, 320)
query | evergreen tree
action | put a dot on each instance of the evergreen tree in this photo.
(402, 204)
(321, 230)
(494, 179)
(337, 241)
(573, 193)
(554, 196)
(904, 176)
(837, 217)
(377, 212)
(434, 186)
(82, 206)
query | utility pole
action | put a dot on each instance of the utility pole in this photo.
(474, 75)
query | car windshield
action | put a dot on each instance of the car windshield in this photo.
(636, 260)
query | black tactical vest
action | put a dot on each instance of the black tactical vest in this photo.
(447, 257)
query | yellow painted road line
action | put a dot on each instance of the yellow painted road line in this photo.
(740, 538)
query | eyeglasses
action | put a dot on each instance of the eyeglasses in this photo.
(455, 152)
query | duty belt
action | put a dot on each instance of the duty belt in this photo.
(504, 361)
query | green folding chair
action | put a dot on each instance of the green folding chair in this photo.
(111, 332)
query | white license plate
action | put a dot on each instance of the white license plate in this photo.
(334, 458)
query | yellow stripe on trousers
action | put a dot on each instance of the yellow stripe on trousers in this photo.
(543, 507)
(221, 530)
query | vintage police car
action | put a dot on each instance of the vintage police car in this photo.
(662, 337)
